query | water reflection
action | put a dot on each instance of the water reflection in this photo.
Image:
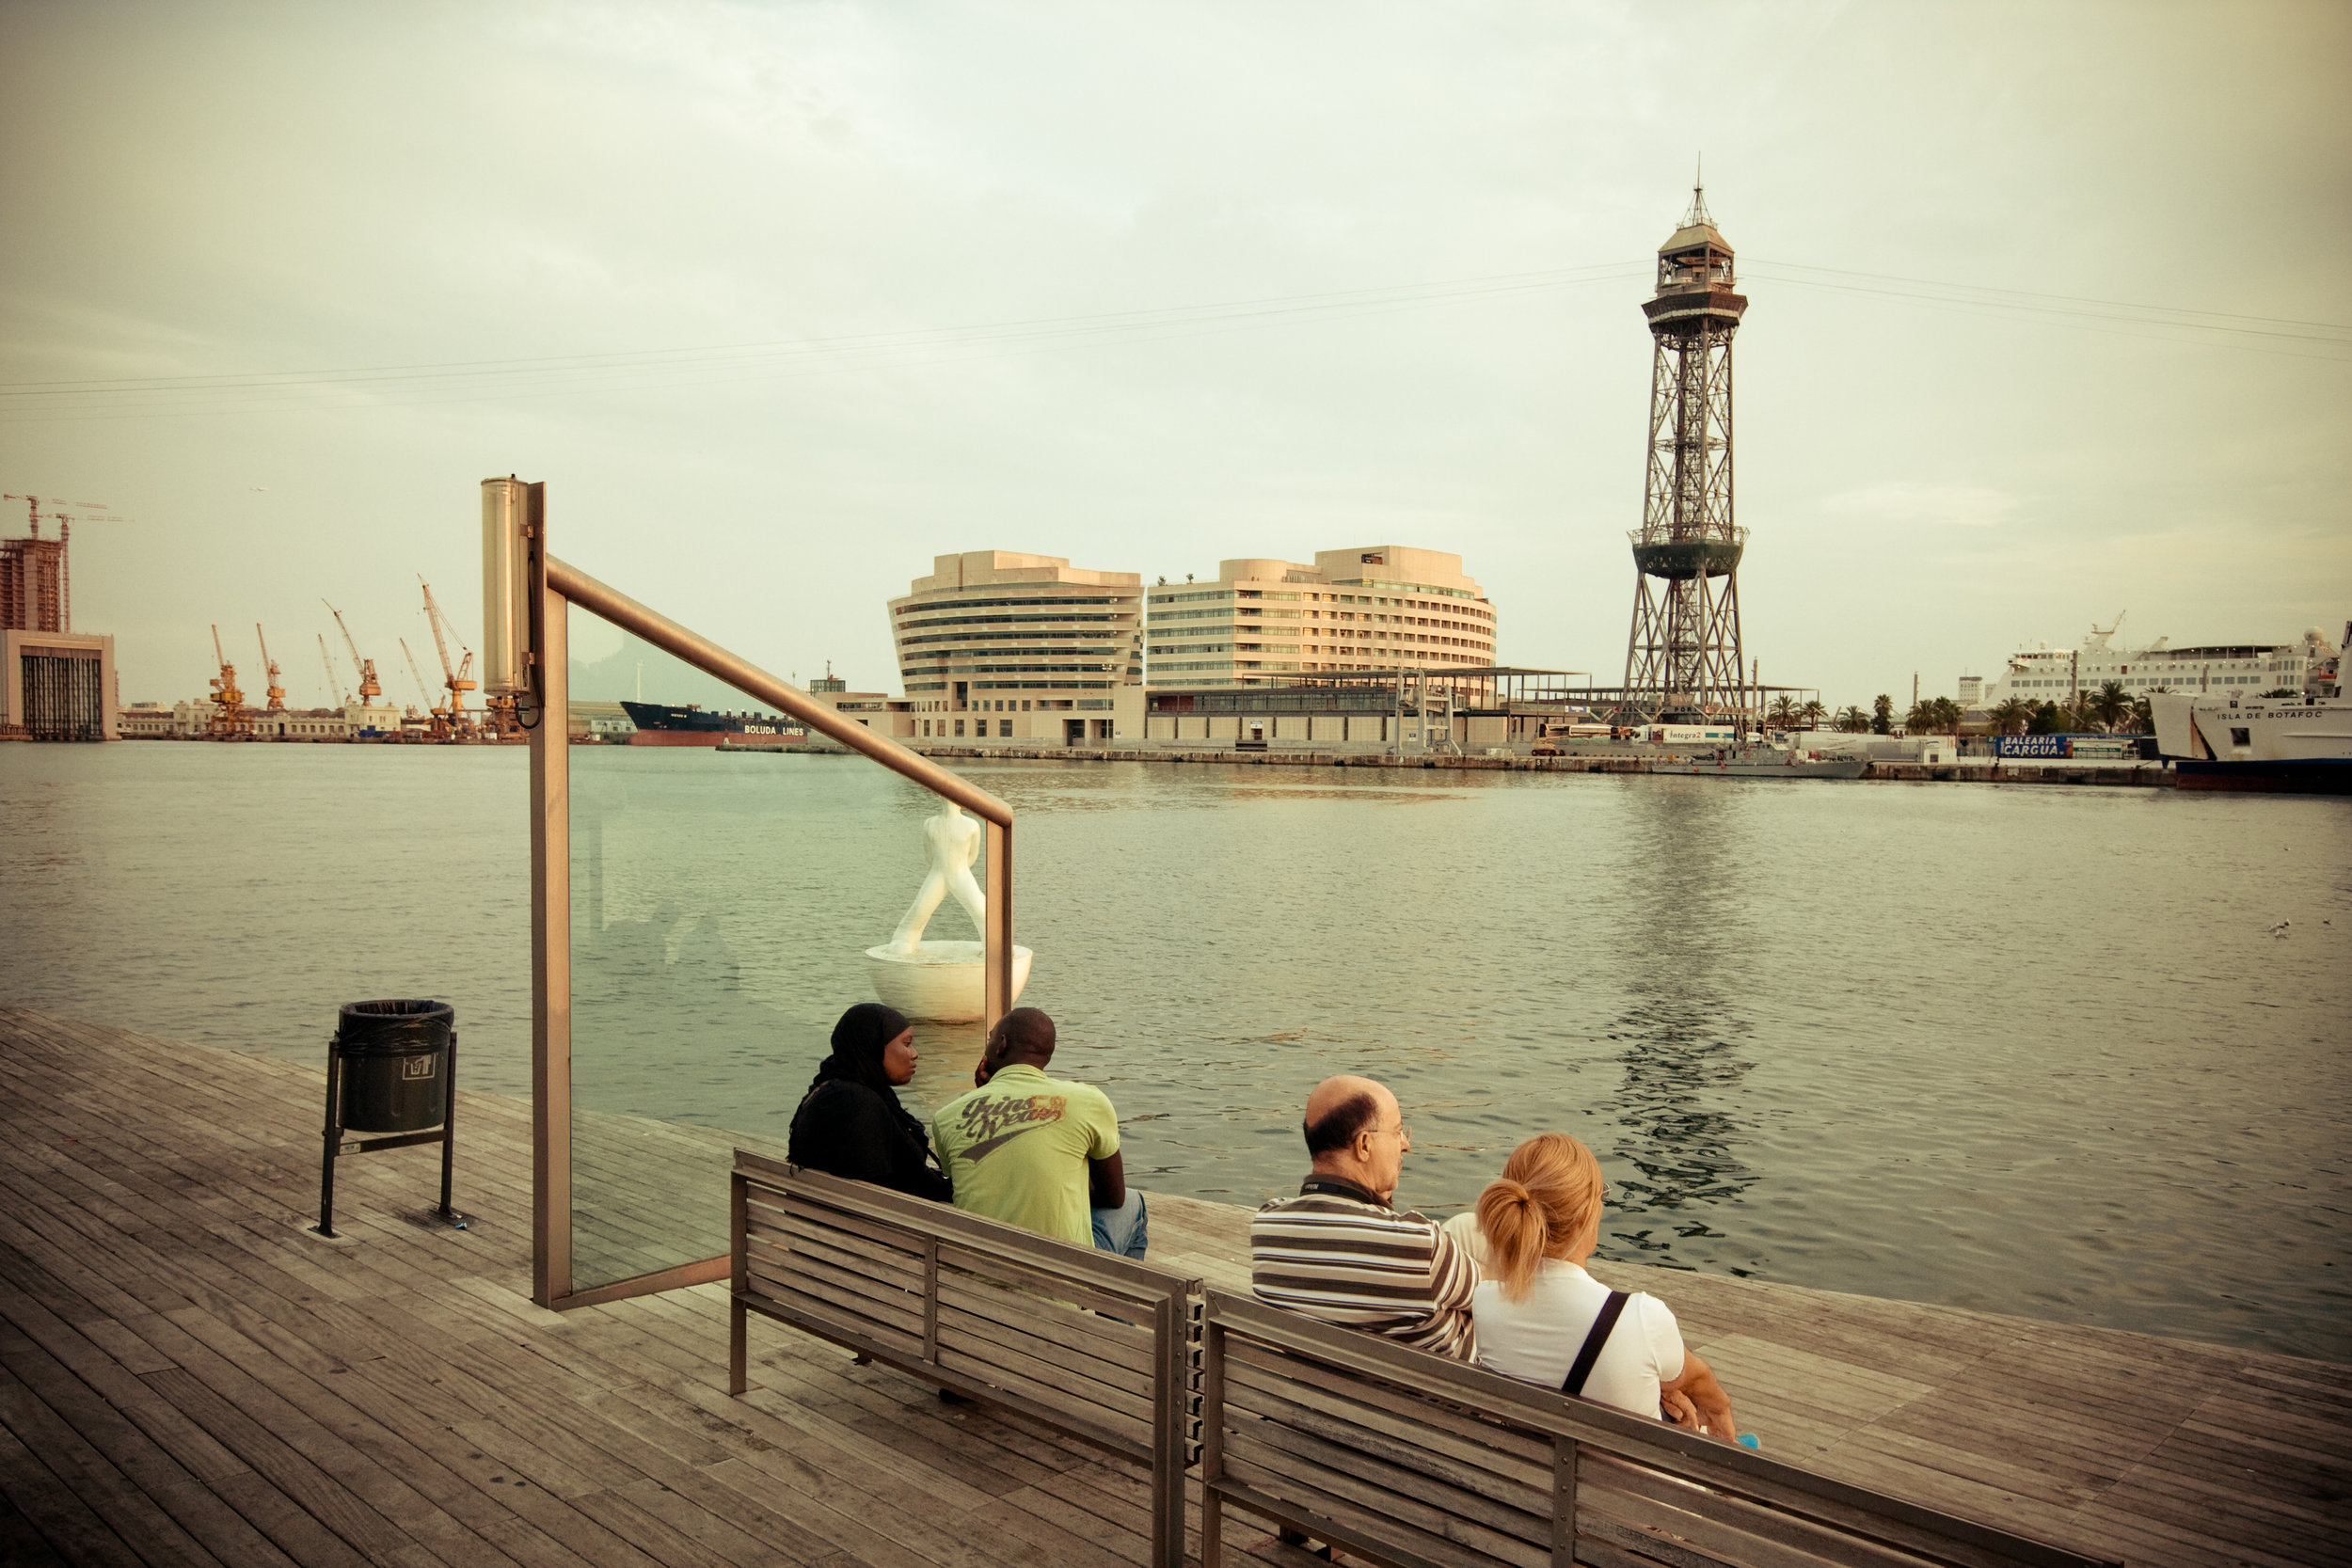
(1684, 1030)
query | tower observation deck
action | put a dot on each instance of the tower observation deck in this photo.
(1683, 659)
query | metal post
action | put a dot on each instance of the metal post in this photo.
(997, 955)
(334, 1137)
(1563, 1502)
(1211, 1442)
(739, 1216)
(551, 927)
(1167, 1433)
(449, 1128)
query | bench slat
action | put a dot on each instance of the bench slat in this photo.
(986, 1349)
(890, 1268)
(1636, 1494)
(1511, 1458)
(1521, 1510)
(853, 1231)
(1109, 1428)
(852, 1292)
(1007, 1270)
(1385, 1485)
(783, 1210)
(1043, 1358)
(1052, 1322)
(1381, 1534)
(820, 1318)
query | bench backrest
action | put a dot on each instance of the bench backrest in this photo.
(1095, 1346)
(1406, 1457)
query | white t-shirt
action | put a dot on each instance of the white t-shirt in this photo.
(1536, 1339)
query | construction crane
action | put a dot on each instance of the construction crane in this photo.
(49, 595)
(276, 692)
(336, 696)
(228, 717)
(423, 690)
(459, 678)
(368, 685)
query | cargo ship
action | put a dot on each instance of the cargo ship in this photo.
(664, 725)
(2301, 744)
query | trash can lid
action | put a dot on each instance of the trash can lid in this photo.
(398, 1027)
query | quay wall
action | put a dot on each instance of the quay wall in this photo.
(2003, 770)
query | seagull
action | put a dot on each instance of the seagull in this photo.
(264, 488)
(2281, 929)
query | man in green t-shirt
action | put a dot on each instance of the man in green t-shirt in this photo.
(1037, 1152)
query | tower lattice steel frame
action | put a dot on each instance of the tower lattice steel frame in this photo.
(1682, 661)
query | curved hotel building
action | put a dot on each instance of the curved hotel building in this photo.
(1382, 607)
(1014, 646)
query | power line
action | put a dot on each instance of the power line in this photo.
(663, 368)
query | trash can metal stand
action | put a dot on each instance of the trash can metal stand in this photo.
(391, 1067)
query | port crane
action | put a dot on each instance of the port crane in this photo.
(459, 677)
(336, 696)
(228, 717)
(369, 687)
(276, 692)
(423, 690)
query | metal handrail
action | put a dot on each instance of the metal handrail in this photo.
(749, 678)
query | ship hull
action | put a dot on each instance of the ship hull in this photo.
(2287, 778)
(665, 724)
(707, 739)
(2269, 746)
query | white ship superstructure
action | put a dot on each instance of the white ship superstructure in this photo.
(2229, 741)
(2047, 675)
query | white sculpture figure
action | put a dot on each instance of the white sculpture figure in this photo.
(941, 981)
(954, 841)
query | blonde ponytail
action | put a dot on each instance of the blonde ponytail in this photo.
(1514, 1225)
(1548, 1194)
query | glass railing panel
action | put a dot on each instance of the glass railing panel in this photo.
(724, 900)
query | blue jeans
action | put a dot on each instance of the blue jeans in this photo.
(1127, 1229)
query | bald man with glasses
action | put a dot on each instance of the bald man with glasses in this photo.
(1340, 1252)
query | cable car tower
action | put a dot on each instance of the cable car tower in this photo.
(1682, 661)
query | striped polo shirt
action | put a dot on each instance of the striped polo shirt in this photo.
(1337, 1253)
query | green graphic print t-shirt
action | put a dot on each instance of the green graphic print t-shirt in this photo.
(1017, 1150)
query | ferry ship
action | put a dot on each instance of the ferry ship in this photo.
(663, 725)
(2301, 743)
(2047, 675)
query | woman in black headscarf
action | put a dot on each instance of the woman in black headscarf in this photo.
(850, 1123)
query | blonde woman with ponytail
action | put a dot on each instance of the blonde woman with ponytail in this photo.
(1536, 1310)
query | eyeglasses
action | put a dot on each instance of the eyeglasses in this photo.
(1403, 1130)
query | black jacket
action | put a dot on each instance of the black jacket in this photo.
(845, 1129)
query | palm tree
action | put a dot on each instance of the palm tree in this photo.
(1881, 714)
(1812, 713)
(2109, 706)
(1783, 713)
(2012, 716)
(1852, 720)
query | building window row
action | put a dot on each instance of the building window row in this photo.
(1030, 602)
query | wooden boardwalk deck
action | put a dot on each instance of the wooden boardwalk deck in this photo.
(189, 1377)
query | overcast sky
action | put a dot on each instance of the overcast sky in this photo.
(1434, 225)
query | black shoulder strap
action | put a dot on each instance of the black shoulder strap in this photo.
(1589, 1352)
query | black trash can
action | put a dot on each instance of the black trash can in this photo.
(394, 1062)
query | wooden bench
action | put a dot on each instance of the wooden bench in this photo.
(1409, 1459)
(1090, 1345)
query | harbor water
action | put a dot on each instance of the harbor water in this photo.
(2071, 1053)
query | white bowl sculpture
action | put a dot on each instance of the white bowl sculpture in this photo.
(941, 982)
